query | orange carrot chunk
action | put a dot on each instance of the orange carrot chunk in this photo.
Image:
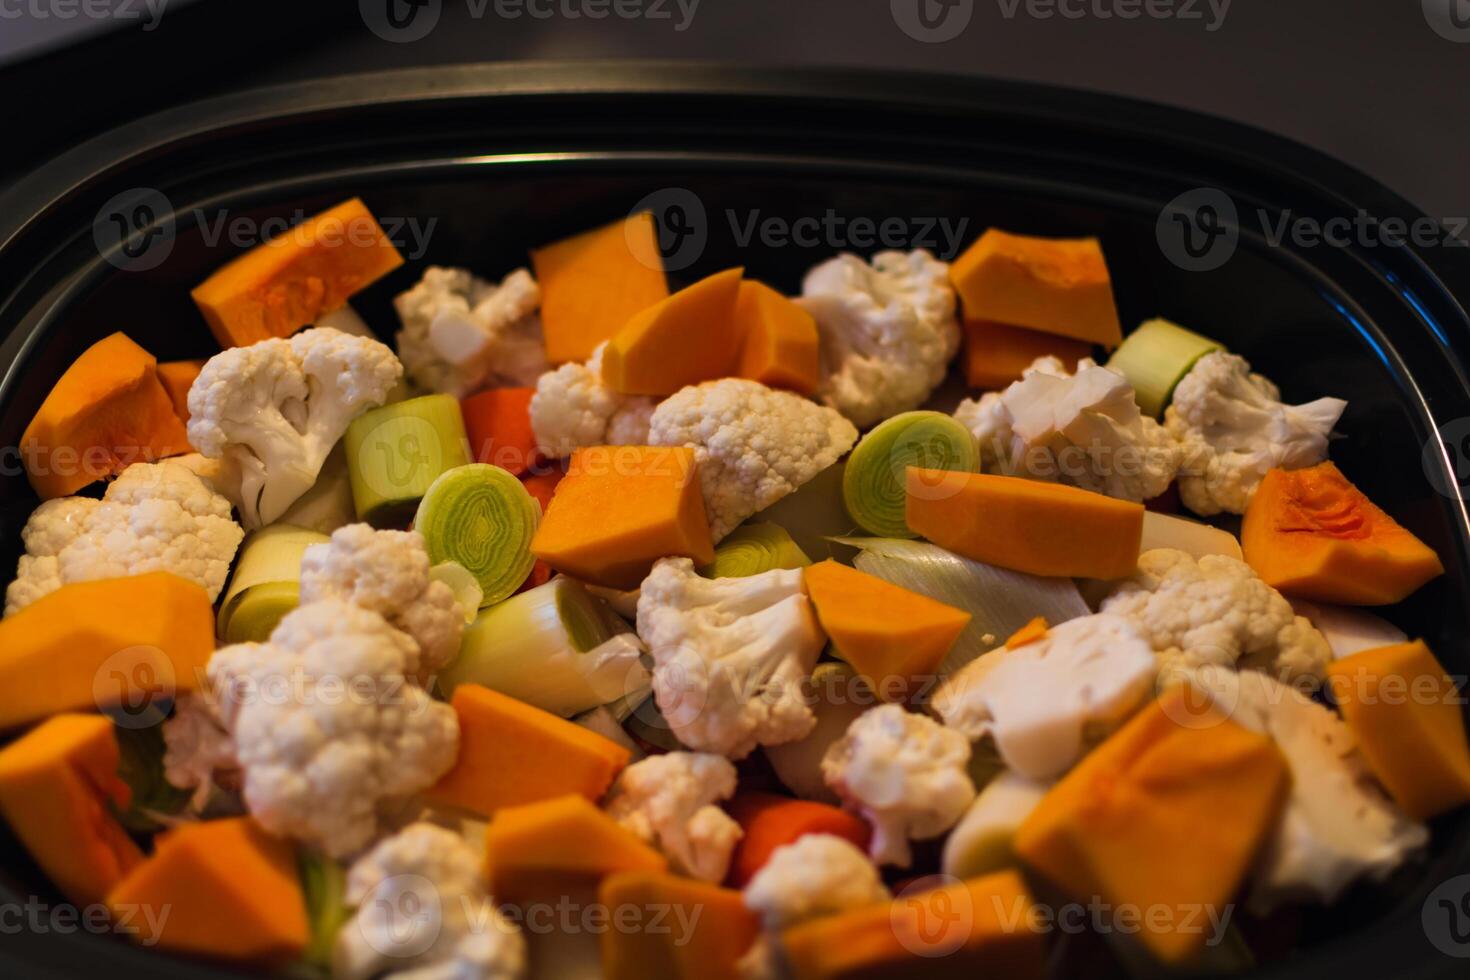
(498, 423)
(770, 821)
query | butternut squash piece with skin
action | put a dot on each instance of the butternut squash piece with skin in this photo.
(1025, 525)
(1310, 533)
(982, 927)
(1168, 813)
(511, 753)
(108, 410)
(1055, 285)
(277, 288)
(619, 509)
(177, 378)
(1405, 711)
(560, 846)
(892, 637)
(690, 337)
(118, 641)
(707, 928)
(56, 784)
(230, 890)
(593, 283)
(779, 348)
(996, 354)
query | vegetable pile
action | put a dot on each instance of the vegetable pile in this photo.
(603, 591)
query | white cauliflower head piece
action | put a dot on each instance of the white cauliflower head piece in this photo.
(330, 733)
(905, 774)
(670, 801)
(754, 445)
(1339, 825)
(1044, 701)
(196, 748)
(1234, 428)
(423, 913)
(572, 408)
(461, 334)
(155, 517)
(277, 408)
(388, 573)
(1216, 610)
(729, 656)
(888, 331)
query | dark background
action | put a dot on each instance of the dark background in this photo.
(1366, 80)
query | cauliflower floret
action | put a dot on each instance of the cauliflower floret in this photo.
(729, 655)
(814, 876)
(1216, 610)
(461, 334)
(1081, 429)
(196, 747)
(388, 572)
(1338, 825)
(277, 408)
(423, 913)
(572, 408)
(754, 445)
(330, 733)
(1043, 701)
(154, 517)
(888, 331)
(1234, 428)
(902, 772)
(669, 800)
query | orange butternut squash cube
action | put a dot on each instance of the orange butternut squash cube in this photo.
(779, 348)
(619, 509)
(512, 753)
(593, 283)
(983, 927)
(1055, 285)
(1026, 525)
(1405, 711)
(892, 637)
(230, 891)
(117, 641)
(108, 410)
(690, 337)
(1310, 533)
(177, 378)
(996, 354)
(278, 287)
(56, 785)
(706, 929)
(1167, 815)
(559, 846)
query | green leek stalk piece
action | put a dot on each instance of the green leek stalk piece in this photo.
(463, 584)
(1155, 357)
(754, 548)
(266, 583)
(324, 889)
(482, 517)
(873, 488)
(395, 452)
(813, 514)
(555, 646)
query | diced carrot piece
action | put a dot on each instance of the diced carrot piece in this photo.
(1030, 633)
(770, 821)
(498, 423)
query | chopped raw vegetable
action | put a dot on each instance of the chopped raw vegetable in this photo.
(483, 518)
(155, 802)
(690, 337)
(498, 423)
(1000, 601)
(1349, 630)
(555, 647)
(395, 452)
(177, 377)
(720, 929)
(462, 582)
(779, 345)
(324, 890)
(1189, 536)
(1155, 357)
(815, 515)
(266, 583)
(770, 821)
(997, 354)
(328, 505)
(754, 548)
(836, 696)
(981, 843)
(873, 486)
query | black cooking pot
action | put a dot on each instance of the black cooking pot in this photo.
(112, 235)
